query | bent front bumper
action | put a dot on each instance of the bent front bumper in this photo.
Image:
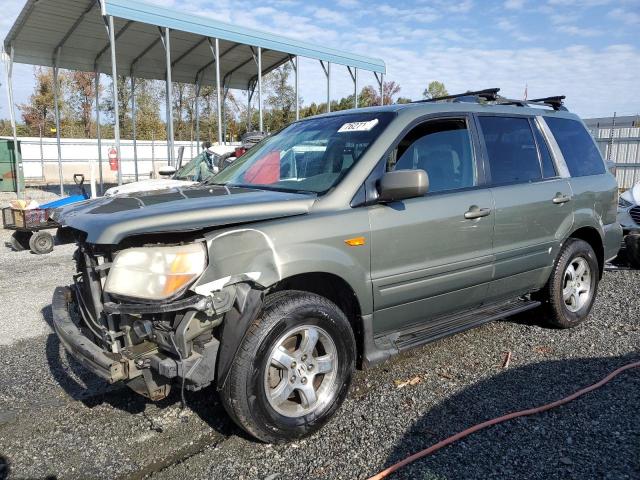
(109, 366)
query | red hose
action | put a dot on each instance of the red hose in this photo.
(522, 413)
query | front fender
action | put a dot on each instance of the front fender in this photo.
(251, 255)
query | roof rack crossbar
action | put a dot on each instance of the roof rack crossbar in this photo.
(487, 94)
(553, 102)
(556, 101)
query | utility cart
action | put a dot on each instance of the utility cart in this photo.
(30, 225)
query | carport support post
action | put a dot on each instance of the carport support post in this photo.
(380, 80)
(167, 48)
(114, 85)
(327, 72)
(218, 94)
(133, 124)
(197, 116)
(260, 88)
(97, 81)
(297, 86)
(56, 109)
(12, 114)
(354, 77)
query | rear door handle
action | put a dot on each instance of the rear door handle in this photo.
(558, 199)
(475, 212)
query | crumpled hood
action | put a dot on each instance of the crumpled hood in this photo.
(108, 220)
(633, 194)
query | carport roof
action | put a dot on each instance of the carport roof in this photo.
(78, 27)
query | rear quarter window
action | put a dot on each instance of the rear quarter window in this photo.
(578, 149)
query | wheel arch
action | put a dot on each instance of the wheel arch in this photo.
(334, 288)
(593, 237)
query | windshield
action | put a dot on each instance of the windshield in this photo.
(197, 169)
(311, 156)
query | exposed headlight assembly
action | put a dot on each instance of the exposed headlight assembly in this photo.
(156, 273)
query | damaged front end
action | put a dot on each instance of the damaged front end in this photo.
(172, 335)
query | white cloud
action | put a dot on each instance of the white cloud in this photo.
(625, 16)
(348, 3)
(579, 31)
(509, 26)
(568, 71)
(514, 4)
(330, 16)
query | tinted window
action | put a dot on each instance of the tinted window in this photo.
(548, 167)
(511, 149)
(443, 149)
(579, 152)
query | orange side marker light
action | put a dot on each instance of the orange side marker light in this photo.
(356, 241)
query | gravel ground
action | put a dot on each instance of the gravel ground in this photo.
(56, 419)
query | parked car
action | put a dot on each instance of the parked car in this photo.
(629, 218)
(198, 169)
(338, 242)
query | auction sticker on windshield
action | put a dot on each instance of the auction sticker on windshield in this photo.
(358, 126)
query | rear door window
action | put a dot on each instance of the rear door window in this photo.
(511, 150)
(578, 149)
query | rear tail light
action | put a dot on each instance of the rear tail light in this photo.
(240, 151)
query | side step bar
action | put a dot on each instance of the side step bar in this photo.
(445, 326)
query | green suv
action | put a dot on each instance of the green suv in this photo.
(338, 242)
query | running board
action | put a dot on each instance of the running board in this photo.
(448, 325)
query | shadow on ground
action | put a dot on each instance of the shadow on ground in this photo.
(596, 436)
(86, 387)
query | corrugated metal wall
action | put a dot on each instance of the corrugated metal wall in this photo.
(623, 148)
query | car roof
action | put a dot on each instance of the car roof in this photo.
(419, 109)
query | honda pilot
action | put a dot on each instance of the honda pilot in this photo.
(337, 243)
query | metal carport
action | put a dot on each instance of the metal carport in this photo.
(152, 42)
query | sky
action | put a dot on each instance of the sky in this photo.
(588, 50)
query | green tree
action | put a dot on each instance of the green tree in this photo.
(280, 98)
(435, 89)
(38, 113)
(82, 95)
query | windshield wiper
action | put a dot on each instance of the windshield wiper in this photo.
(271, 188)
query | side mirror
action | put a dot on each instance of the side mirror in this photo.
(403, 184)
(166, 170)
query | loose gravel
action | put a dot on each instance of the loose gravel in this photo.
(57, 419)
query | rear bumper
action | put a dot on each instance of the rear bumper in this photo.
(106, 365)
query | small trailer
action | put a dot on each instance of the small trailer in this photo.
(30, 224)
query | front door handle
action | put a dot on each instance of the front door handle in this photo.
(475, 212)
(560, 198)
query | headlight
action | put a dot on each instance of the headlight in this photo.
(622, 203)
(156, 273)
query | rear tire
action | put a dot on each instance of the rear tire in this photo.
(293, 369)
(572, 286)
(41, 243)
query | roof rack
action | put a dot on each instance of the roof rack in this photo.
(489, 94)
(555, 102)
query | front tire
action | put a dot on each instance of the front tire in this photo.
(293, 369)
(572, 286)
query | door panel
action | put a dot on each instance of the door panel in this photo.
(427, 258)
(529, 227)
